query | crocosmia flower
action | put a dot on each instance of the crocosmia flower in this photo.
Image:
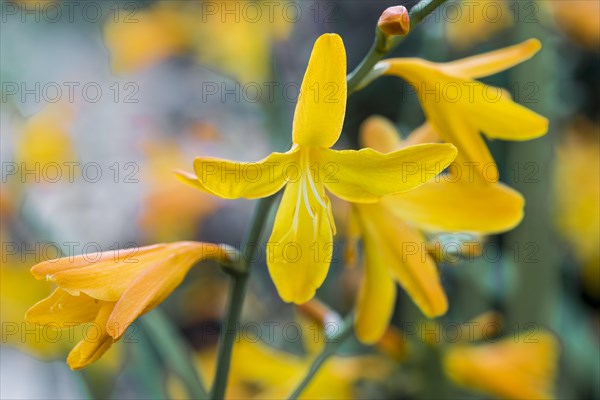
(300, 248)
(112, 289)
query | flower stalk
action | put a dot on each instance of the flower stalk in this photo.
(383, 44)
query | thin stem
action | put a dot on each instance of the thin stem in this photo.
(383, 45)
(173, 351)
(237, 292)
(330, 349)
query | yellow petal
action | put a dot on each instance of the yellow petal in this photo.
(190, 179)
(509, 369)
(380, 134)
(300, 248)
(459, 206)
(366, 175)
(498, 116)
(321, 107)
(61, 310)
(493, 62)
(459, 109)
(156, 283)
(46, 269)
(403, 249)
(106, 280)
(232, 179)
(377, 295)
(96, 342)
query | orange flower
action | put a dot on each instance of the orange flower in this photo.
(112, 289)
(508, 369)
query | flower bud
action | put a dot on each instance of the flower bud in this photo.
(394, 21)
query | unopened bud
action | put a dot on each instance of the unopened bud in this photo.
(394, 21)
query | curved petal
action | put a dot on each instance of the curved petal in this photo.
(106, 280)
(300, 248)
(321, 107)
(459, 206)
(496, 115)
(47, 269)
(492, 62)
(377, 295)
(62, 310)
(404, 250)
(91, 348)
(366, 175)
(232, 179)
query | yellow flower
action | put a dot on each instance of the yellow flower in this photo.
(578, 19)
(396, 250)
(112, 289)
(577, 194)
(44, 137)
(261, 371)
(300, 248)
(225, 35)
(137, 40)
(477, 22)
(509, 369)
(237, 43)
(460, 108)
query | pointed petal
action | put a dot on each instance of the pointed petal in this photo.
(366, 175)
(404, 250)
(377, 295)
(321, 107)
(459, 206)
(496, 115)
(61, 310)
(91, 348)
(46, 269)
(190, 179)
(492, 62)
(300, 248)
(232, 179)
(106, 280)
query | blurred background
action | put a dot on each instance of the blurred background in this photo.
(101, 100)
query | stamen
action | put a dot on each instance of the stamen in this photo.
(306, 202)
(314, 189)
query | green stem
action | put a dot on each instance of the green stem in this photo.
(330, 349)
(237, 293)
(383, 45)
(173, 351)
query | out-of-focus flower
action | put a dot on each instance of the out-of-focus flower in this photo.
(239, 43)
(112, 289)
(578, 19)
(171, 210)
(460, 108)
(396, 250)
(260, 371)
(577, 195)
(508, 369)
(44, 139)
(477, 22)
(139, 40)
(234, 37)
(300, 247)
